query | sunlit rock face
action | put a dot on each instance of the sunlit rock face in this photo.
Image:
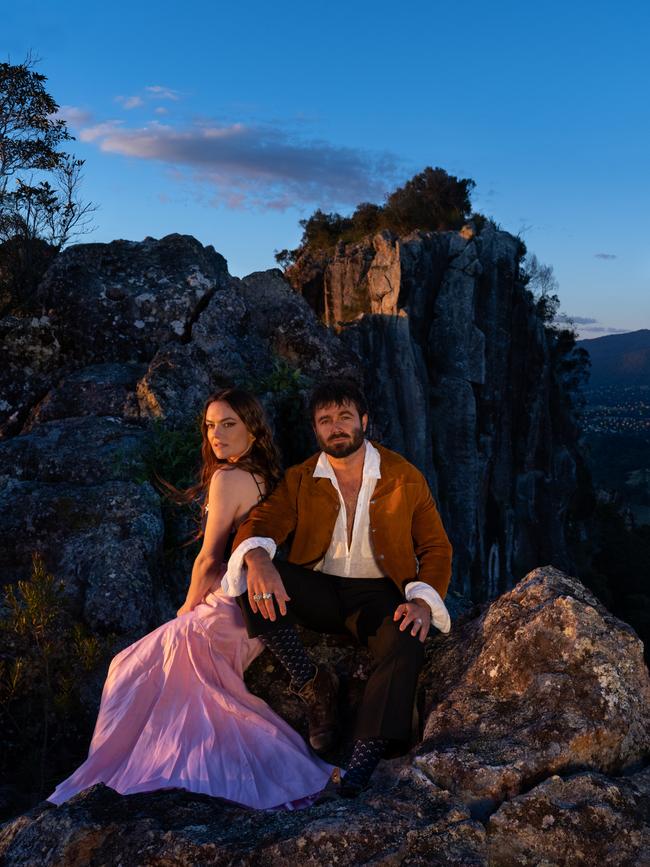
(459, 373)
(545, 681)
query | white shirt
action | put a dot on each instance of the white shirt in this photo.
(357, 558)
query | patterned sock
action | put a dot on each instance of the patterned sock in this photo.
(285, 644)
(365, 757)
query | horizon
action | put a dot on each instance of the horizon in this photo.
(234, 130)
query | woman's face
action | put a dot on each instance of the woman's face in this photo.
(226, 432)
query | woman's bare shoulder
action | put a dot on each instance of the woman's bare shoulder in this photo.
(231, 479)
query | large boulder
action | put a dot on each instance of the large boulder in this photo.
(586, 819)
(544, 681)
(121, 301)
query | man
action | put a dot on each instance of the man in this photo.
(368, 555)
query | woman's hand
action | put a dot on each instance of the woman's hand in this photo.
(185, 609)
(416, 614)
(265, 585)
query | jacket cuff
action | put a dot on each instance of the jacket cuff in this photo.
(233, 582)
(439, 615)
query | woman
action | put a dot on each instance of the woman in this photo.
(175, 711)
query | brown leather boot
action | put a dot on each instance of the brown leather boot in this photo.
(320, 695)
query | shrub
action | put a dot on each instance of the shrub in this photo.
(45, 659)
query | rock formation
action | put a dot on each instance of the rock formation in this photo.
(533, 711)
(537, 728)
(131, 332)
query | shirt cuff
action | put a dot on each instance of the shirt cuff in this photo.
(439, 615)
(233, 582)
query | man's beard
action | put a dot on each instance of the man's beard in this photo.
(342, 446)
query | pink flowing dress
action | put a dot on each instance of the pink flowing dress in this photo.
(175, 712)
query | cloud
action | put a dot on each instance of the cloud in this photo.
(587, 324)
(253, 165)
(130, 102)
(605, 256)
(99, 130)
(161, 110)
(74, 116)
(159, 92)
(577, 320)
(605, 330)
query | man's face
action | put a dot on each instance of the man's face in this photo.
(338, 429)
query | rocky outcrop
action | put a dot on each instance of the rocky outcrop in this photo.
(135, 332)
(245, 330)
(537, 728)
(460, 374)
(545, 681)
(121, 301)
(586, 819)
(407, 823)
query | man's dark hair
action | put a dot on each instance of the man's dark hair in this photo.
(337, 391)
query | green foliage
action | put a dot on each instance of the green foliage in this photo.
(40, 208)
(45, 658)
(282, 391)
(173, 454)
(431, 200)
(283, 380)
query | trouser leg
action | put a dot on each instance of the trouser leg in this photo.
(386, 709)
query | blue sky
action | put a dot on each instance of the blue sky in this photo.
(231, 122)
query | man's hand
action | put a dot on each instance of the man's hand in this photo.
(415, 614)
(264, 578)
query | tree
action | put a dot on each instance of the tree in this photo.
(542, 282)
(40, 205)
(431, 200)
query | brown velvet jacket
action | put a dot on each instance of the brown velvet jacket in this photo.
(407, 535)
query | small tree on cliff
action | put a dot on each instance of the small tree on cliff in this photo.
(40, 207)
(431, 200)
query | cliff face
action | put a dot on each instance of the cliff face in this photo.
(460, 376)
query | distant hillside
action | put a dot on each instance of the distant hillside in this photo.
(619, 359)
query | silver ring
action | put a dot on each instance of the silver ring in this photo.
(257, 596)
(418, 621)
(267, 595)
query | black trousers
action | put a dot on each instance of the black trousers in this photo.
(364, 607)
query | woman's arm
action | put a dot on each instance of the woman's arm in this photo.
(228, 490)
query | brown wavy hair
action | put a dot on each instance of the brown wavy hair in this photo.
(263, 459)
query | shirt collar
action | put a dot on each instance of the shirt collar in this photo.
(371, 465)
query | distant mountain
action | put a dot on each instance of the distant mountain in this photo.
(619, 359)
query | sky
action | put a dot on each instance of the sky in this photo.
(232, 122)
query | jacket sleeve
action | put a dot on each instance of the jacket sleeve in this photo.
(430, 542)
(274, 518)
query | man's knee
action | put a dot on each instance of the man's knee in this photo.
(393, 641)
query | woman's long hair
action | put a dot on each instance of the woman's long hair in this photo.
(263, 459)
